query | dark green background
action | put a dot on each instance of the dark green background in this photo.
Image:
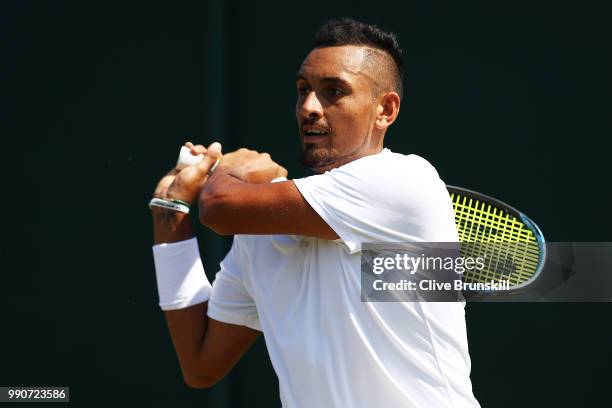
(504, 98)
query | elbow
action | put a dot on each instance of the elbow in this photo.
(201, 381)
(198, 385)
(201, 376)
(213, 211)
(201, 370)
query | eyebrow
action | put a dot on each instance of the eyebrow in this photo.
(331, 79)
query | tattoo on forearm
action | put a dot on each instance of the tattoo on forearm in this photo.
(166, 218)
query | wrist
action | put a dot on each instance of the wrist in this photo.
(231, 170)
(170, 226)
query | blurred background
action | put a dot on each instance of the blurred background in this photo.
(511, 99)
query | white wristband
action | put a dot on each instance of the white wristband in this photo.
(169, 205)
(181, 281)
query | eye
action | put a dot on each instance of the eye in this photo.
(335, 91)
(303, 89)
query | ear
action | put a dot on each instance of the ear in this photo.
(387, 110)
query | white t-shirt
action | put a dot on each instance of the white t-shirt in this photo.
(327, 347)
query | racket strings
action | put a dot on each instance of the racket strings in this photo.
(508, 246)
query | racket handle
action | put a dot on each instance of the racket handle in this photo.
(187, 159)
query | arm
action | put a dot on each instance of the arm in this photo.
(230, 204)
(206, 349)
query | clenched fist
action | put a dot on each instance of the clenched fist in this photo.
(185, 184)
(252, 166)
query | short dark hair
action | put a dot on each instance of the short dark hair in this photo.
(346, 31)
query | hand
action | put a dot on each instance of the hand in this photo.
(186, 183)
(252, 166)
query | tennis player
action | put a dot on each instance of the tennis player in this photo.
(293, 271)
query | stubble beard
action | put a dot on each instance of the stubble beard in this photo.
(318, 157)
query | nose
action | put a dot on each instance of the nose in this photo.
(310, 107)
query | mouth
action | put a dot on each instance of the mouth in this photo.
(313, 134)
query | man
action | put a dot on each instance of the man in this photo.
(293, 271)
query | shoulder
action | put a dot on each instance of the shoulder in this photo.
(388, 163)
(384, 173)
(384, 180)
(388, 171)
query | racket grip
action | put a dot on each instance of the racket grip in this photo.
(187, 159)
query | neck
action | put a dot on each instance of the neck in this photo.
(341, 161)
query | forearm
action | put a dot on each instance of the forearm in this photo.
(220, 201)
(187, 326)
(230, 206)
(206, 348)
(187, 329)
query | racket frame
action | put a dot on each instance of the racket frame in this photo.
(539, 236)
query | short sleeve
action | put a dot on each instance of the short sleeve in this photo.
(230, 302)
(381, 198)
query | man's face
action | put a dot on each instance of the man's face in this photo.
(335, 109)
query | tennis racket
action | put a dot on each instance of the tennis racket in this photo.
(510, 242)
